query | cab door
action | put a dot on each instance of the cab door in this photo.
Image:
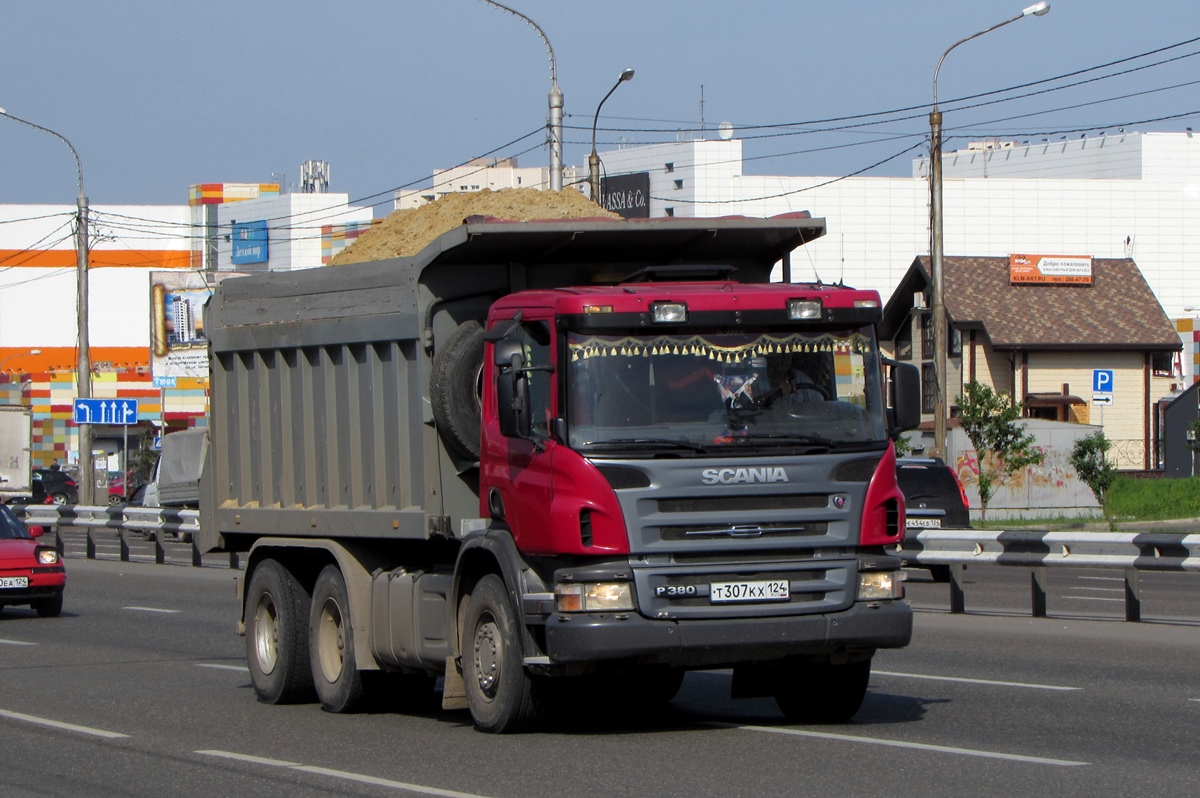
(519, 471)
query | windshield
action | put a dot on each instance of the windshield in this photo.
(698, 391)
(11, 527)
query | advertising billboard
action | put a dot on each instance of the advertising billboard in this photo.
(249, 240)
(178, 343)
(627, 195)
(1050, 269)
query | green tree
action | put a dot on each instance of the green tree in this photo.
(1002, 445)
(1089, 458)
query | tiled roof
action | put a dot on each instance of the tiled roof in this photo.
(1117, 311)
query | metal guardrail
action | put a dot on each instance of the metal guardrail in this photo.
(1131, 552)
(152, 523)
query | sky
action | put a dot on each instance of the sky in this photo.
(156, 96)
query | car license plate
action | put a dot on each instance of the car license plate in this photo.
(923, 523)
(14, 581)
(765, 590)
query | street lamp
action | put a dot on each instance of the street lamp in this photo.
(17, 355)
(937, 306)
(594, 159)
(83, 367)
(556, 102)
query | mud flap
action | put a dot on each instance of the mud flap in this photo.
(454, 692)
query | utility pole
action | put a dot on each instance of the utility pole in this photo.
(83, 365)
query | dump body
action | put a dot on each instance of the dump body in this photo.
(430, 458)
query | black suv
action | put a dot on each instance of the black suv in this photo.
(58, 485)
(933, 499)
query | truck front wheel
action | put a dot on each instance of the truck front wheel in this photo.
(501, 694)
(276, 617)
(822, 692)
(336, 677)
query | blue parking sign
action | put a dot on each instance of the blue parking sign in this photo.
(1102, 381)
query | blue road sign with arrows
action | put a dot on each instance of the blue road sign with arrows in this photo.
(122, 412)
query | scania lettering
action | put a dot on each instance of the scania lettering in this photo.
(545, 452)
(733, 476)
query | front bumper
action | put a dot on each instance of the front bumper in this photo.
(713, 642)
(44, 582)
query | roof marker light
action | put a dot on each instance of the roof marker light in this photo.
(669, 312)
(803, 309)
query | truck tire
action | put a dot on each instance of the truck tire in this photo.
(822, 692)
(501, 694)
(276, 618)
(336, 677)
(456, 390)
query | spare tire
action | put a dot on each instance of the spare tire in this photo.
(456, 390)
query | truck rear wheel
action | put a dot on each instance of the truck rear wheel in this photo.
(276, 618)
(501, 694)
(336, 677)
(456, 390)
(822, 692)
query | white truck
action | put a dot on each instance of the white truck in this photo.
(16, 427)
(176, 480)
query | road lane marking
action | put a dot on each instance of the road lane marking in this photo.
(57, 724)
(16, 643)
(151, 609)
(238, 668)
(941, 749)
(1101, 589)
(1028, 685)
(1102, 578)
(1093, 598)
(341, 774)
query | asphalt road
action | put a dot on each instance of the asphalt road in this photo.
(140, 689)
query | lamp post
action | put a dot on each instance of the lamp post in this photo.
(83, 367)
(19, 354)
(594, 159)
(555, 100)
(937, 305)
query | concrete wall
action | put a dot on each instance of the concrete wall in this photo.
(1049, 490)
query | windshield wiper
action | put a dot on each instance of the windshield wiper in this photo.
(669, 442)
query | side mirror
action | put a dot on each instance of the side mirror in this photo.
(906, 395)
(512, 390)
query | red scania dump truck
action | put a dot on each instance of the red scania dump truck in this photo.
(562, 453)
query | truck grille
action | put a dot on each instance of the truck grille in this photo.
(683, 591)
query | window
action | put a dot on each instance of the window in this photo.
(670, 167)
(953, 336)
(904, 347)
(535, 336)
(1163, 364)
(678, 184)
(928, 388)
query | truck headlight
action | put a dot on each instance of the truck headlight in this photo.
(880, 585)
(594, 597)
